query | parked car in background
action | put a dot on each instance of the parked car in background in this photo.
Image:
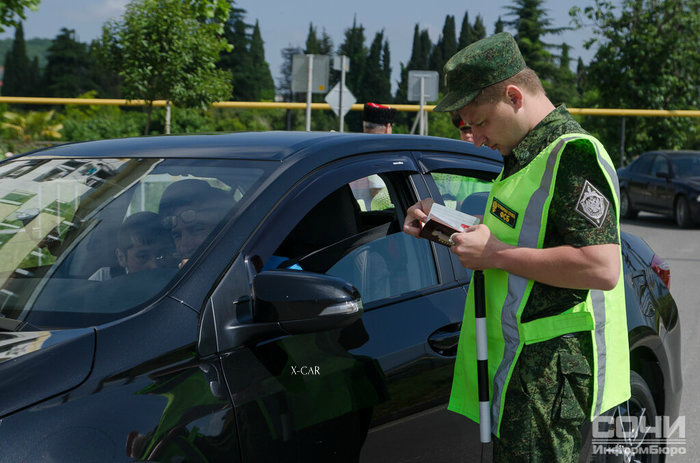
(664, 182)
(241, 298)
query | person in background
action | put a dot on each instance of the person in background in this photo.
(465, 131)
(377, 118)
(141, 241)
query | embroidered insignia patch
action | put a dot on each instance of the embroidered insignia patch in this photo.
(505, 214)
(592, 205)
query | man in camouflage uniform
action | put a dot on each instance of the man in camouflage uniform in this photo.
(549, 394)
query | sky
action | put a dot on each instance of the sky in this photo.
(286, 23)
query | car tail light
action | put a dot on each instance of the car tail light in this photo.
(662, 269)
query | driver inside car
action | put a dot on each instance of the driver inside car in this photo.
(190, 209)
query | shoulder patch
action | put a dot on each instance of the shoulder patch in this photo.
(592, 205)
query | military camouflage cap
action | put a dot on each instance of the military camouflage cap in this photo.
(477, 66)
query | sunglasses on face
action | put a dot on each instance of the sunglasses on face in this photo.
(186, 217)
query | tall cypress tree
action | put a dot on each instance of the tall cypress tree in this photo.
(444, 48)
(354, 48)
(420, 55)
(238, 59)
(376, 86)
(313, 46)
(264, 86)
(386, 66)
(18, 79)
(479, 28)
(466, 34)
(498, 27)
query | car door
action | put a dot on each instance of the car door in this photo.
(660, 186)
(638, 181)
(360, 391)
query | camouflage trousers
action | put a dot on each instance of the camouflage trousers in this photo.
(548, 400)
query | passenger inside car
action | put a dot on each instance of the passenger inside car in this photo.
(141, 243)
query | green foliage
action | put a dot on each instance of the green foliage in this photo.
(531, 23)
(68, 72)
(647, 58)
(18, 79)
(36, 48)
(445, 47)
(354, 48)
(31, 126)
(97, 122)
(12, 11)
(163, 51)
(264, 85)
(252, 80)
(466, 34)
(376, 83)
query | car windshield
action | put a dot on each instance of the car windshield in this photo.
(86, 241)
(686, 165)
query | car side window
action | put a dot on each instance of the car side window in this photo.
(642, 164)
(461, 192)
(356, 234)
(660, 166)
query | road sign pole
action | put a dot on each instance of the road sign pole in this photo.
(310, 69)
(342, 89)
(421, 130)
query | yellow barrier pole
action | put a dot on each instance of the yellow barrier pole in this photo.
(326, 106)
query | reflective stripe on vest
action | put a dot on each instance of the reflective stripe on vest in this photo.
(507, 337)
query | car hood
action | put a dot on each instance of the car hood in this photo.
(35, 365)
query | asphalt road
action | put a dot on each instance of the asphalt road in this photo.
(681, 249)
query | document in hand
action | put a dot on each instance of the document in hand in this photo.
(442, 222)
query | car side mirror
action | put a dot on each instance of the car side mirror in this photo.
(304, 302)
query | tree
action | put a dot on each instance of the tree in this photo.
(647, 58)
(12, 11)
(377, 88)
(420, 56)
(445, 47)
(69, 67)
(238, 60)
(264, 84)
(466, 34)
(107, 81)
(313, 46)
(354, 48)
(479, 28)
(531, 24)
(565, 88)
(498, 27)
(164, 49)
(19, 78)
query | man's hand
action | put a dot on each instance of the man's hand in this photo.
(415, 215)
(477, 248)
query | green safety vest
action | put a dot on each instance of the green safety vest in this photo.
(517, 211)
